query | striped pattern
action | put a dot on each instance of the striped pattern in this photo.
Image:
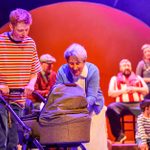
(143, 128)
(17, 61)
(128, 97)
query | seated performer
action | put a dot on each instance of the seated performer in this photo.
(46, 78)
(128, 90)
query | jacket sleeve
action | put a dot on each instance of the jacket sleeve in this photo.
(93, 91)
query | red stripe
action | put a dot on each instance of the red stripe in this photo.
(119, 87)
(130, 95)
(131, 98)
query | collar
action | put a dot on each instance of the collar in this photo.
(83, 74)
(9, 36)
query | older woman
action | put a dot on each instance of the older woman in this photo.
(143, 67)
(86, 75)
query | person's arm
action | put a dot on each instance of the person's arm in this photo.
(141, 133)
(35, 68)
(63, 75)
(93, 92)
(30, 87)
(139, 71)
(143, 90)
(59, 77)
(38, 85)
(139, 68)
(112, 90)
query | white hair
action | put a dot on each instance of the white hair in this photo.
(76, 50)
(145, 46)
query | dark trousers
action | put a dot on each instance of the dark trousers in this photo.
(116, 110)
(8, 129)
(147, 96)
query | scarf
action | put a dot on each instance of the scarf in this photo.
(132, 80)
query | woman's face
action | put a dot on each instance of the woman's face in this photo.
(146, 53)
(76, 66)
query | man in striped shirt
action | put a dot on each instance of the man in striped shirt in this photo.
(128, 90)
(19, 65)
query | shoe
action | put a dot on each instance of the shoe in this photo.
(121, 138)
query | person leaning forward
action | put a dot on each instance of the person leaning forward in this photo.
(85, 74)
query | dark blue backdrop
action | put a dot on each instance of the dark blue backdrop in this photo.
(137, 8)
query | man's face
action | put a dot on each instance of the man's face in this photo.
(125, 68)
(46, 67)
(20, 31)
(76, 66)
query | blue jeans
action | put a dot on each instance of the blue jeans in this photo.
(8, 134)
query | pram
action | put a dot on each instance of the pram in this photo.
(58, 125)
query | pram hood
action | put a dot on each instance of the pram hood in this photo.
(65, 104)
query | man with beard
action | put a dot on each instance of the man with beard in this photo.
(143, 67)
(128, 90)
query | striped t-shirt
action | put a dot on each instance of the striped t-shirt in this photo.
(18, 60)
(126, 97)
(143, 129)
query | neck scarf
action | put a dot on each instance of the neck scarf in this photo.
(132, 80)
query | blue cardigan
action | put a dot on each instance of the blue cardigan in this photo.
(94, 94)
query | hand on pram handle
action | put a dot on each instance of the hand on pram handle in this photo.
(16, 91)
(8, 107)
(26, 130)
(20, 91)
(78, 129)
(29, 111)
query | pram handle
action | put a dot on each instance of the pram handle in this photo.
(8, 107)
(21, 91)
(71, 84)
(27, 130)
(39, 96)
(18, 90)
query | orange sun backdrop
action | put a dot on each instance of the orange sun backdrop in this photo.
(108, 35)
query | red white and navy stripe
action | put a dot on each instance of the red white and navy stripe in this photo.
(128, 97)
(17, 61)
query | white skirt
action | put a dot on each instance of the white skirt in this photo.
(98, 132)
